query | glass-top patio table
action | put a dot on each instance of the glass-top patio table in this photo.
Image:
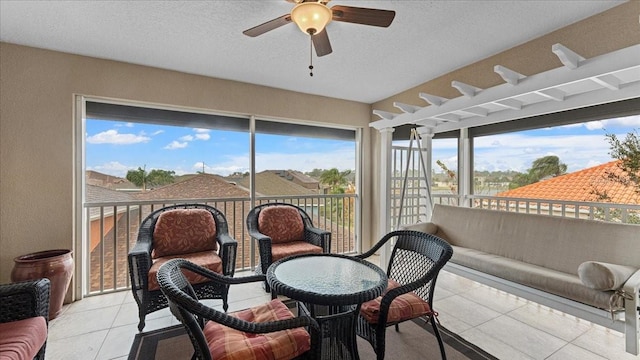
(330, 288)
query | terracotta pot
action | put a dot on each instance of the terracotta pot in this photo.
(55, 265)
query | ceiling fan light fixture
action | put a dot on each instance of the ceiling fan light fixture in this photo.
(311, 17)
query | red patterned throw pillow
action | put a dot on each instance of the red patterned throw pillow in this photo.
(281, 251)
(184, 231)
(281, 223)
(229, 344)
(207, 259)
(404, 307)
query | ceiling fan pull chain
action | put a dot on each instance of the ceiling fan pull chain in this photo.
(311, 55)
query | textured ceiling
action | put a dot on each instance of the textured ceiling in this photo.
(427, 38)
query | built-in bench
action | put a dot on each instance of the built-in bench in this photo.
(586, 268)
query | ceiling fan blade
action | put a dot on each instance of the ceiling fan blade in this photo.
(321, 43)
(364, 16)
(268, 26)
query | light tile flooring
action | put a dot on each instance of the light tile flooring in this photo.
(103, 327)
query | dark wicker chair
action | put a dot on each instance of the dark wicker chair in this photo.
(142, 258)
(23, 300)
(415, 262)
(195, 315)
(311, 240)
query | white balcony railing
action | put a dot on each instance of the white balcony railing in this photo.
(112, 228)
(110, 237)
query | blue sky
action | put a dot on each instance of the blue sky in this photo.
(579, 146)
(116, 147)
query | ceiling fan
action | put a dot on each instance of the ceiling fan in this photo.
(312, 16)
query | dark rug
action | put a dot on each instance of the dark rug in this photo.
(414, 341)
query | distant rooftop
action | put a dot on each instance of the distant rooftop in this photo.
(579, 186)
(282, 182)
(200, 186)
(108, 181)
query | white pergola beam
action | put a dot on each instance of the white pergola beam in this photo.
(465, 89)
(623, 60)
(508, 75)
(591, 98)
(478, 111)
(567, 56)
(553, 94)
(407, 108)
(512, 104)
(385, 114)
(449, 117)
(428, 123)
(432, 99)
(609, 81)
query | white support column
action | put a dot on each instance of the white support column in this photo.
(464, 166)
(384, 221)
(252, 179)
(426, 134)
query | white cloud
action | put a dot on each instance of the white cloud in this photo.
(203, 136)
(114, 137)
(176, 145)
(593, 163)
(113, 168)
(594, 125)
(180, 171)
(518, 151)
(157, 132)
(219, 169)
(342, 159)
(628, 121)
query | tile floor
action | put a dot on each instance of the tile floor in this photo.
(103, 327)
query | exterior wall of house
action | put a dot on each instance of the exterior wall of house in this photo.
(603, 33)
(37, 127)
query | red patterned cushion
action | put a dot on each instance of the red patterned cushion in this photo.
(207, 259)
(22, 339)
(281, 223)
(228, 344)
(404, 307)
(184, 231)
(279, 251)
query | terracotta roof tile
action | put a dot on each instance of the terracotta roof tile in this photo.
(579, 186)
(201, 186)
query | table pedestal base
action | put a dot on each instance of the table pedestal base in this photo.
(338, 327)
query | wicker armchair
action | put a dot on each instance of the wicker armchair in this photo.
(193, 231)
(283, 230)
(415, 262)
(265, 331)
(21, 301)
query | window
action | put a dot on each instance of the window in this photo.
(138, 159)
